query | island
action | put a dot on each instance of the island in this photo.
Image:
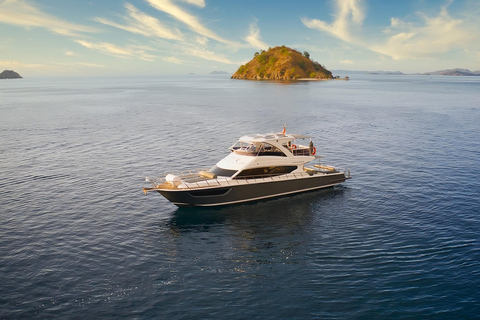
(9, 74)
(454, 72)
(282, 63)
(219, 72)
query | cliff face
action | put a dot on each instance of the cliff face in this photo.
(281, 63)
(9, 74)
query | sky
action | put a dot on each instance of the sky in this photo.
(164, 37)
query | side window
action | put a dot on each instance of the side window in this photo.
(265, 172)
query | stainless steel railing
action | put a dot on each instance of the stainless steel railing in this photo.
(192, 179)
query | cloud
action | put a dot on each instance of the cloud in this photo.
(90, 65)
(69, 53)
(198, 3)
(190, 20)
(201, 40)
(350, 14)
(253, 38)
(22, 13)
(173, 60)
(108, 48)
(141, 23)
(208, 55)
(347, 61)
(12, 64)
(437, 35)
(429, 36)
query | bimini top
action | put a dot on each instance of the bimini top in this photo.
(272, 136)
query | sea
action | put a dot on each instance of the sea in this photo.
(80, 240)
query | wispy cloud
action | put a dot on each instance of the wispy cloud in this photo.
(57, 66)
(198, 3)
(253, 37)
(109, 48)
(90, 65)
(430, 36)
(24, 14)
(346, 61)
(141, 23)
(208, 55)
(190, 20)
(12, 64)
(349, 16)
(194, 45)
(173, 60)
(435, 36)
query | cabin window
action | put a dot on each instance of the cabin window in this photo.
(265, 172)
(222, 172)
(266, 149)
(257, 149)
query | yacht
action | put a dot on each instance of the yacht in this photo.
(259, 166)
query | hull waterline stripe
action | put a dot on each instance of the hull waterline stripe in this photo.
(253, 199)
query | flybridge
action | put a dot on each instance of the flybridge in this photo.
(273, 136)
(273, 144)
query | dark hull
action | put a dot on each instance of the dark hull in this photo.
(249, 192)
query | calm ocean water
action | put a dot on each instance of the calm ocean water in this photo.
(79, 239)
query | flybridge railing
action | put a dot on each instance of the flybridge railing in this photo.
(192, 179)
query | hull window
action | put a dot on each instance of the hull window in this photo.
(209, 192)
(265, 172)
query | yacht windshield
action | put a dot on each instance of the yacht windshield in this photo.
(257, 149)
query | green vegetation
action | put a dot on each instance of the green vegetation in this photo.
(271, 61)
(242, 69)
(301, 64)
(282, 63)
(262, 57)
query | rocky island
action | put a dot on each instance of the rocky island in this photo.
(282, 63)
(9, 74)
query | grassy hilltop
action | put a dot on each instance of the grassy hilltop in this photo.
(281, 63)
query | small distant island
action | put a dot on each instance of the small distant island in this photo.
(387, 73)
(9, 74)
(454, 72)
(282, 63)
(219, 72)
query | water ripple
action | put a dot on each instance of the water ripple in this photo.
(78, 237)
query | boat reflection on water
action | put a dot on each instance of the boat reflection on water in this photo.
(251, 240)
(281, 212)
